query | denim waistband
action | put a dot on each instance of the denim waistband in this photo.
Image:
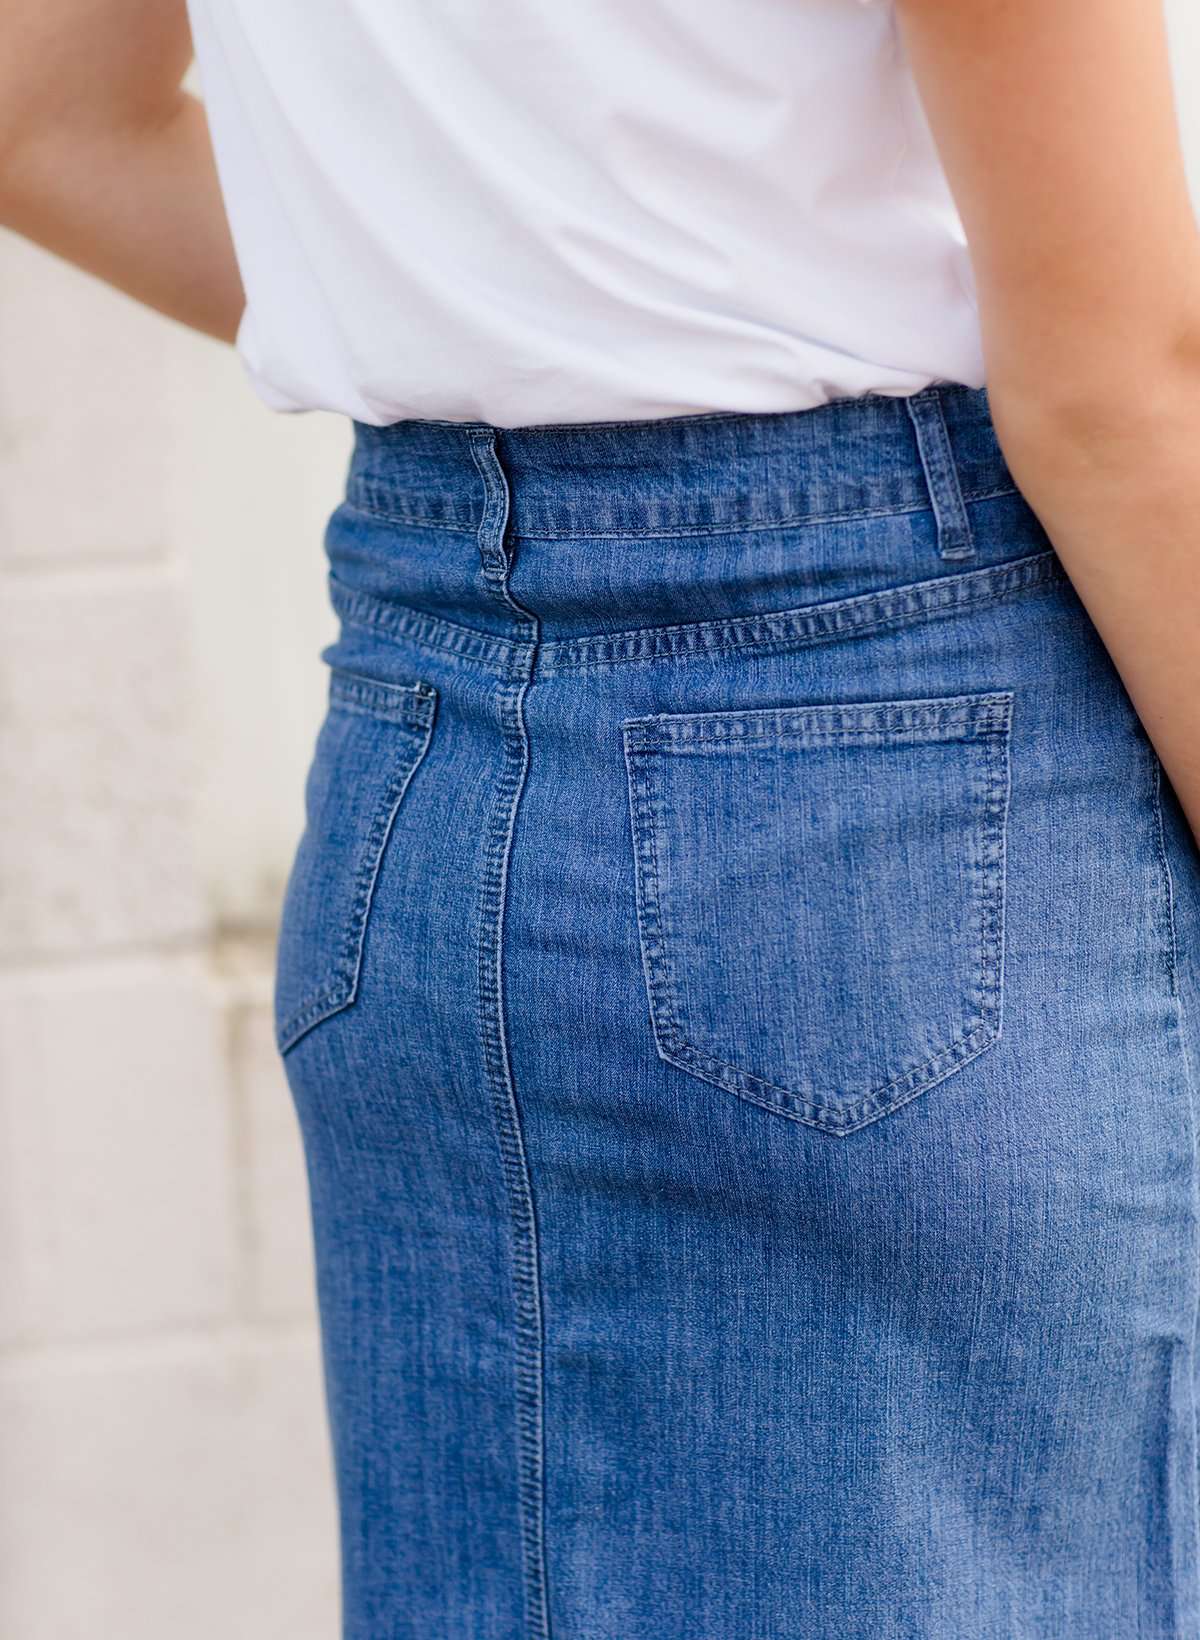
(860, 457)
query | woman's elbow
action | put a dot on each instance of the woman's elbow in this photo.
(1107, 395)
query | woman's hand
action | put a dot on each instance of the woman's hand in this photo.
(1057, 128)
(106, 161)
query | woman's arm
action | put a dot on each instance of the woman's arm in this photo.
(105, 160)
(1057, 128)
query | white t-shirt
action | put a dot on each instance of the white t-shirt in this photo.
(581, 210)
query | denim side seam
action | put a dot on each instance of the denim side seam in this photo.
(528, 1340)
(526, 1277)
(1171, 952)
(646, 819)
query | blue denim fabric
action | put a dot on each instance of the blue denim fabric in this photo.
(738, 984)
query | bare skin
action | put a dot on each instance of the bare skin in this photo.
(1057, 128)
(105, 160)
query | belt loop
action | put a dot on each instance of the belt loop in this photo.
(941, 475)
(493, 525)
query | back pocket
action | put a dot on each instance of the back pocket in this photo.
(820, 894)
(370, 743)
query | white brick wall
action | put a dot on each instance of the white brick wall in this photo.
(163, 1455)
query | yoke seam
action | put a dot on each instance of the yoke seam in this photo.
(400, 622)
(814, 623)
(826, 622)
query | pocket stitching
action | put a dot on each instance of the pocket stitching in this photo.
(408, 704)
(957, 717)
(990, 718)
(341, 988)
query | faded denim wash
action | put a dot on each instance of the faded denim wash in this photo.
(738, 983)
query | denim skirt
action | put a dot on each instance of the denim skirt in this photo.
(737, 983)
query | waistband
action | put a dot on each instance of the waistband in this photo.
(691, 475)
